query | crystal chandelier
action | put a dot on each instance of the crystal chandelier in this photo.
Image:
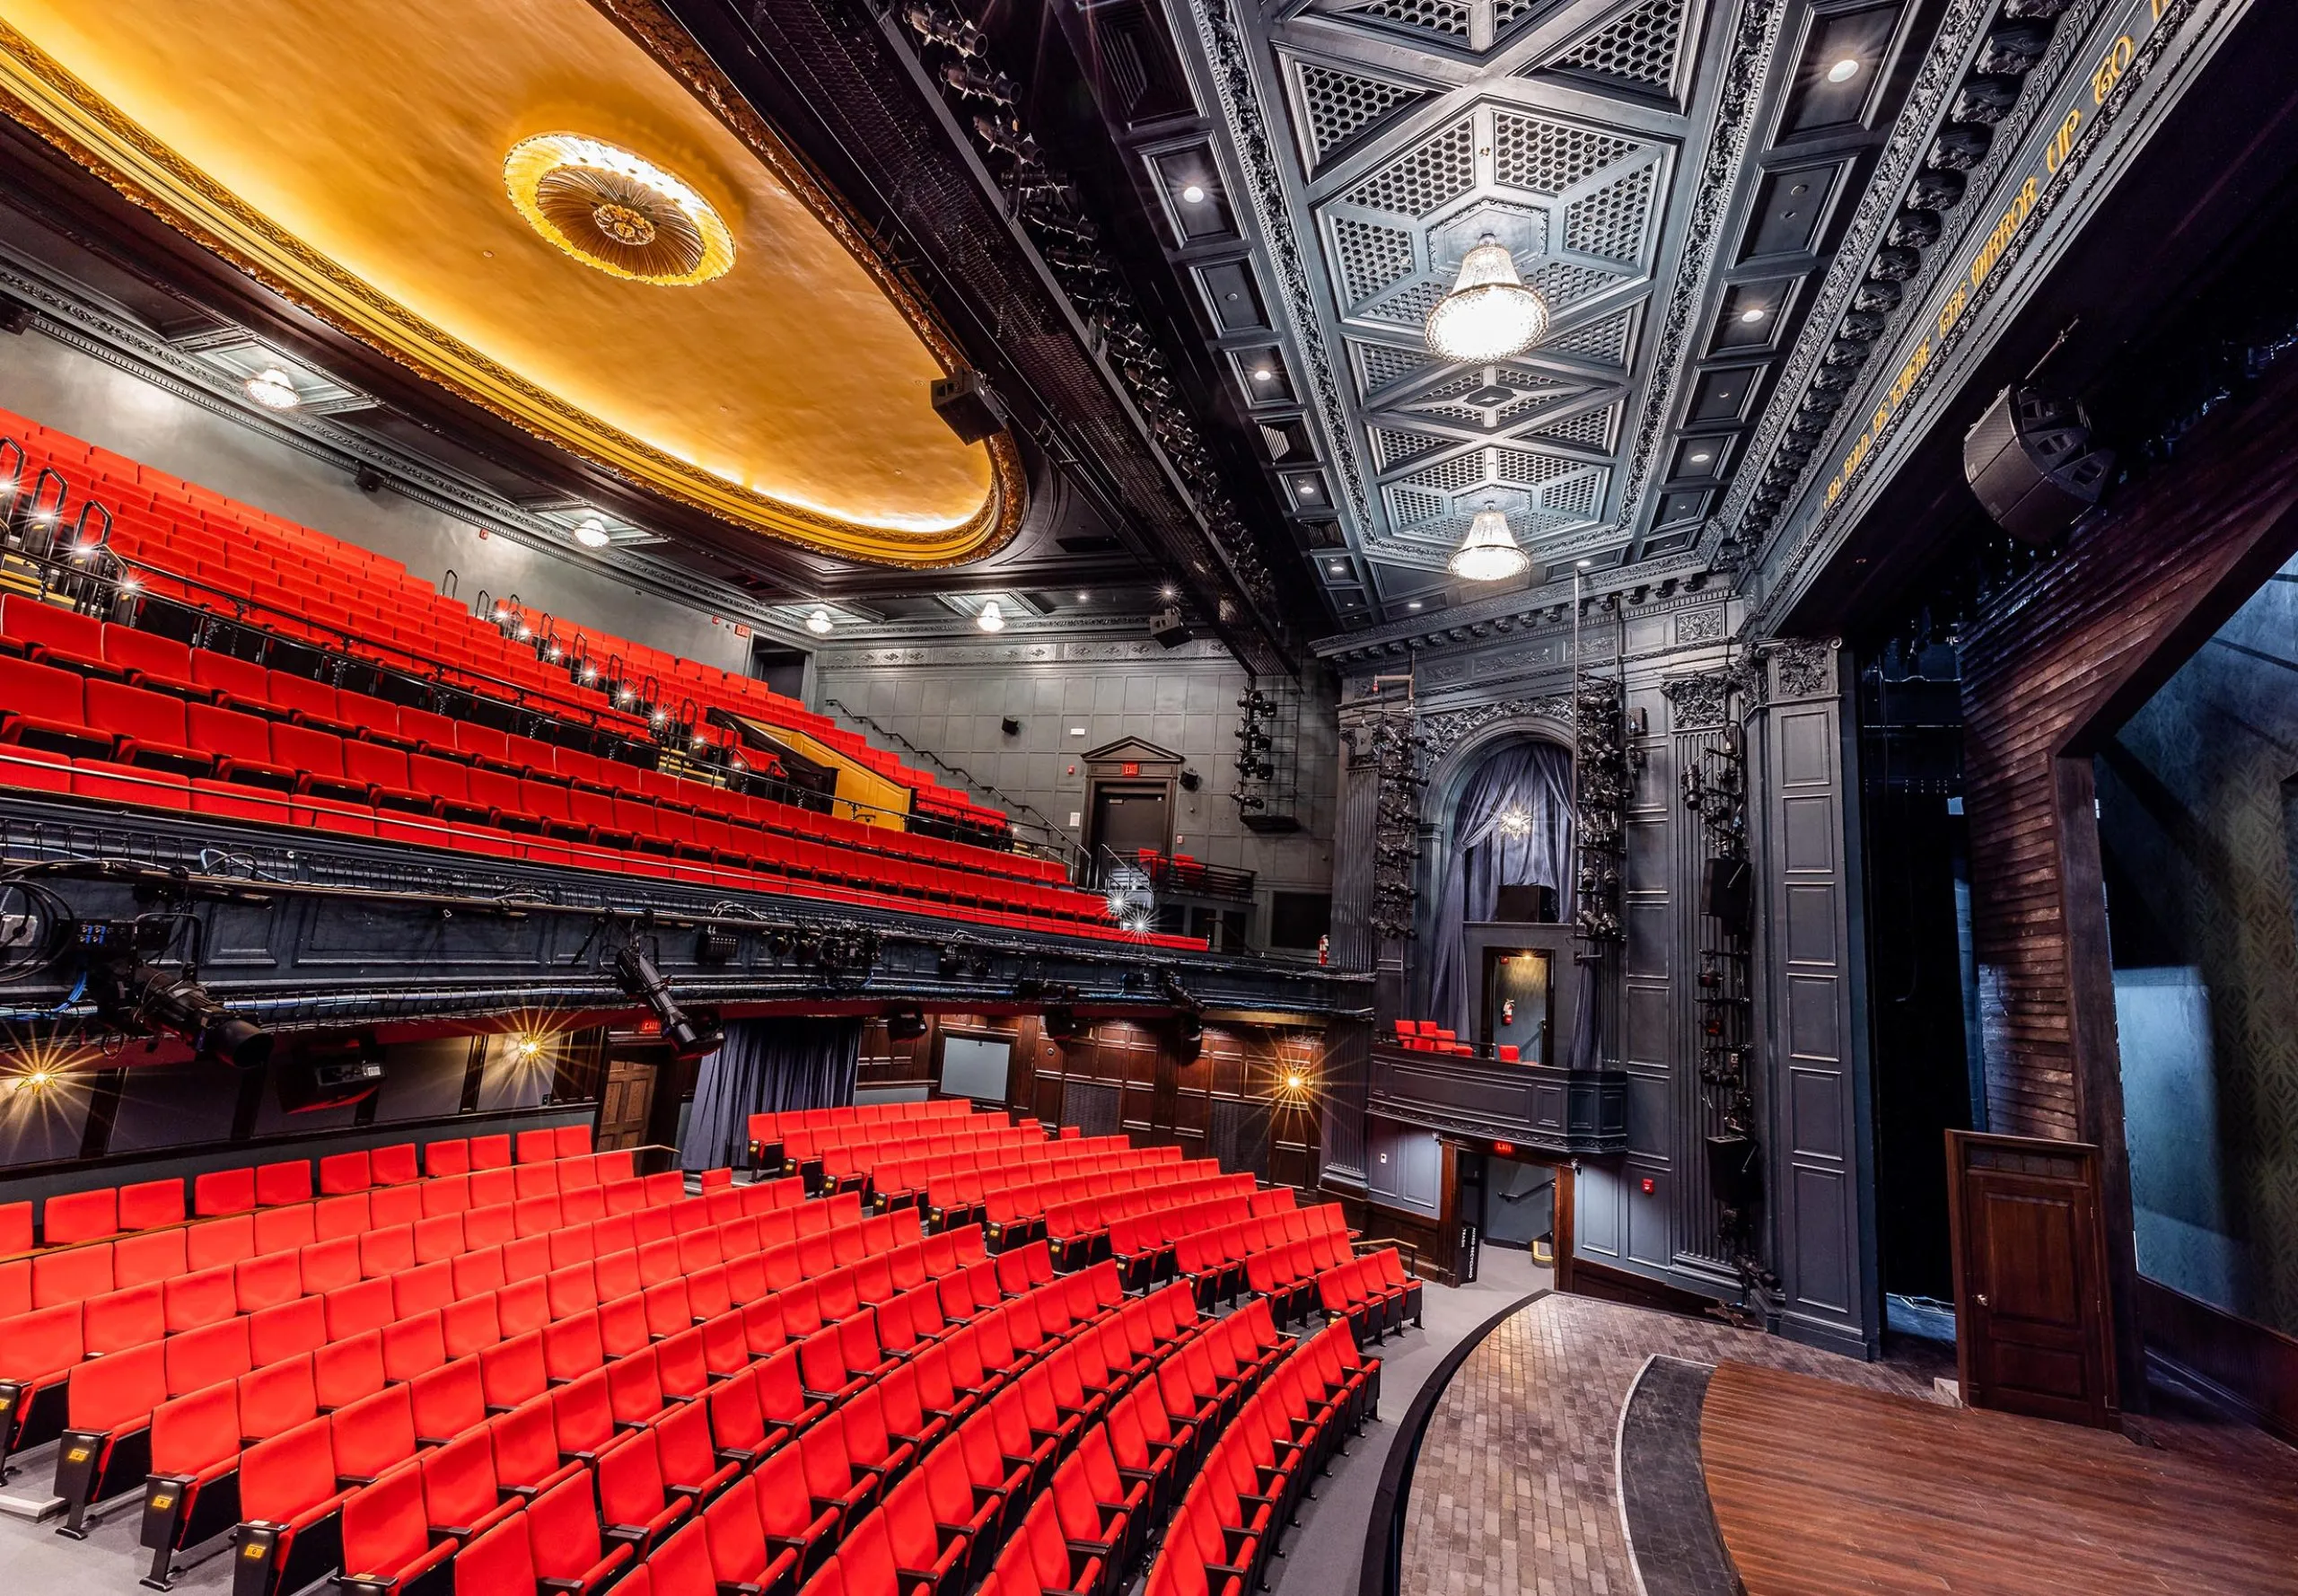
(1490, 552)
(1491, 314)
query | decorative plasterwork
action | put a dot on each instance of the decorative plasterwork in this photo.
(1700, 702)
(1802, 668)
(1441, 730)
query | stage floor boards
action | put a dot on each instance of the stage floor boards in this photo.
(1822, 1488)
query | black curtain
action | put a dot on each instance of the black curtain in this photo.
(766, 1066)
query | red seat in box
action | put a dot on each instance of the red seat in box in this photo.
(148, 1204)
(51, 634)
(241, 746)
(289, 1530)
(307, 703)
(42, 708)
(159, 663)
(81, 1216)
(233, 683)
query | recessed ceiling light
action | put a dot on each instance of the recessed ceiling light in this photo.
(1337, 567)
(1414, 605)
(1700, 459)
(1308, 490)
(274, 389)
(819, 622)
(1168, 591)
(1753, 313)
(1262, 373)
(1844, 71)
(1084, 598)
(1193, 194)
(590, 532)
(991, 618)
(1586, 564)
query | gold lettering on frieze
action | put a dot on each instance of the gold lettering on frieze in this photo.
(2062, 142)
(2119, 58)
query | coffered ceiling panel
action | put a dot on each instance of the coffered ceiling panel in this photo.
(1662, 169)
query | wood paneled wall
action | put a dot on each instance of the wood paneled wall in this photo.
(2056, 664)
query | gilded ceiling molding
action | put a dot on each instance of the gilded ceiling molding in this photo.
(37, 91)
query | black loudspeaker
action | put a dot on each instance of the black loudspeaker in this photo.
(1727, 890)
(965, 403)
(1534, 901)
(905, 1025)
(1166, 627)
(2030, 461)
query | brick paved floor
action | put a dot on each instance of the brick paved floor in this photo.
(1513, 1489)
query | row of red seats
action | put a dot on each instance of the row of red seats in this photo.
(384, 751)
(772, 1128)
(329, 592)
(1229, 1524)
(1374, 1294)
(911, 1176)
(1425, 1035)
(1020, 1207)
(504, 1341)
(853, 1158)
(742, 1410)
(102, 1211)
(1214, 1258)
(44, 1351)
(969, 1191)
(1137, 1229)
(78, 1271)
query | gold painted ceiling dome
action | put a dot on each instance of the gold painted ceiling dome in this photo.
(617, 211)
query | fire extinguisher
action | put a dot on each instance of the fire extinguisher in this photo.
(1324, 950)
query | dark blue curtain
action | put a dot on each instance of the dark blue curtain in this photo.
(1530, 781)
(766, 1066)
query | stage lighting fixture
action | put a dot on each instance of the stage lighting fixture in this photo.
(134, 995)
(1061, 1024)
(905, 1024)
(638, 977)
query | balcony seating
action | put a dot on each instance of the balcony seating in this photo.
(135, 714)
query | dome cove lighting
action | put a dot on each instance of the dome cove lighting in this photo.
(1491, 314)
(1490, 552)
(991, 618)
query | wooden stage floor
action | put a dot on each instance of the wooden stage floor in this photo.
(1821, 1488)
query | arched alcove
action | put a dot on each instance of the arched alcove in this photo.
(1497, 813)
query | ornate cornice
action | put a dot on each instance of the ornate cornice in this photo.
(1756, 33)
(1228, 50)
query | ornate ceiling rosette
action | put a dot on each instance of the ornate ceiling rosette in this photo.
(614, 209)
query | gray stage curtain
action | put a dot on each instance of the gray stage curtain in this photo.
(1532, 777)
(763, 1068)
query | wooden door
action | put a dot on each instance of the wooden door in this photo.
(623, 1106)
(2033, 1333)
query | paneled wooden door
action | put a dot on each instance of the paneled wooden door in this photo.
(623, 1106)
(2033, 1332)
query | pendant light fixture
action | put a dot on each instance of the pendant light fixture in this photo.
(1490, 552)
(991, 618)
(1491, 314)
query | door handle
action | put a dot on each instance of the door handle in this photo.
(1980, 1299)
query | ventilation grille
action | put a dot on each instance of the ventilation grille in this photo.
(1561, 283)
(1447, 17)
(1604, 340)
(1392, 448)
(1640, 47)
(1371, 258)
(1410, 307)
(1549, 157)
(1379, 366)
(1577, 497)
(1610, 221)
(1436, 173)
(1524, 468)
(1461, 472)
(1594, 429)
(1337, 106)
(1408, 506)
